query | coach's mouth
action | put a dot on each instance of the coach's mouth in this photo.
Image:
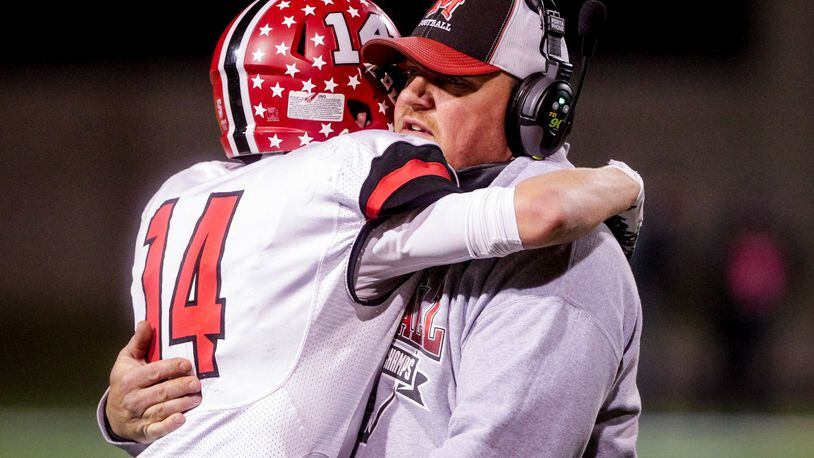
(412, 126)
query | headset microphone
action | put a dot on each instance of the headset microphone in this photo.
(592, 17)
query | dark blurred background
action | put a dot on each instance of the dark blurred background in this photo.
(710, 101)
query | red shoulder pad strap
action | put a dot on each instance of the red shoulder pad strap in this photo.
(404, 178)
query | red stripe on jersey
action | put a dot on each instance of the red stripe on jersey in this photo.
(393, 181)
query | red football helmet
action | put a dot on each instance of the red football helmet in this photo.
(286, 72)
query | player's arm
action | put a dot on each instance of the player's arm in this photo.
(145, 401)
(545, 210)
(562, 206)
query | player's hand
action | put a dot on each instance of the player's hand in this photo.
(147, 401)
(626, 225)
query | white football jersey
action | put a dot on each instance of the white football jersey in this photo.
(243, 269)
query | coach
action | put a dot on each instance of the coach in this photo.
(534, 354)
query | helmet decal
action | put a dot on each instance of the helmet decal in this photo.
(288, 72)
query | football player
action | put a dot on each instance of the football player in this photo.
(283, 279)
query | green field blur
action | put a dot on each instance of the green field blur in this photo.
(71, 432)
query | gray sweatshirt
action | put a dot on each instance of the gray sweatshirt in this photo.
(534, 354)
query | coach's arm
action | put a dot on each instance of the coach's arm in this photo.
(145, 401)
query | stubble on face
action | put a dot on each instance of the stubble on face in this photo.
(464, 115)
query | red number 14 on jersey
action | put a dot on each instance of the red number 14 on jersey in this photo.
(196, 312)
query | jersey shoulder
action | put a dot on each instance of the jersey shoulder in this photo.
(188, 179)
(195, 175)
(377, 141)
(406, 173)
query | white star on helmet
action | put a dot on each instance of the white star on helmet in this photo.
(275, 141)
(307, 86)
(277, 90)
(291, 69)
(318, 62)
(260, 110)
(257, 56)
(326, 129)
(305, 139)
(282, 48)
(318, 39)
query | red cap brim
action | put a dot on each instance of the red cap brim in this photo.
(428, 53)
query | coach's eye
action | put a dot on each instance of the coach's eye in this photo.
(456, 82)
(410, 72)
(456, 85)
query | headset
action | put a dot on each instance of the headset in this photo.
(541, 110)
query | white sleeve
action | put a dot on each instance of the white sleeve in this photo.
(456, 228)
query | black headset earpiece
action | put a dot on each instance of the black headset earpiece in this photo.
(538, 116)
(541, 108)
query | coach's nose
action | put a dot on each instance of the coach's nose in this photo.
(418, 93)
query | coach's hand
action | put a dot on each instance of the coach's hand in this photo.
(147, 401)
